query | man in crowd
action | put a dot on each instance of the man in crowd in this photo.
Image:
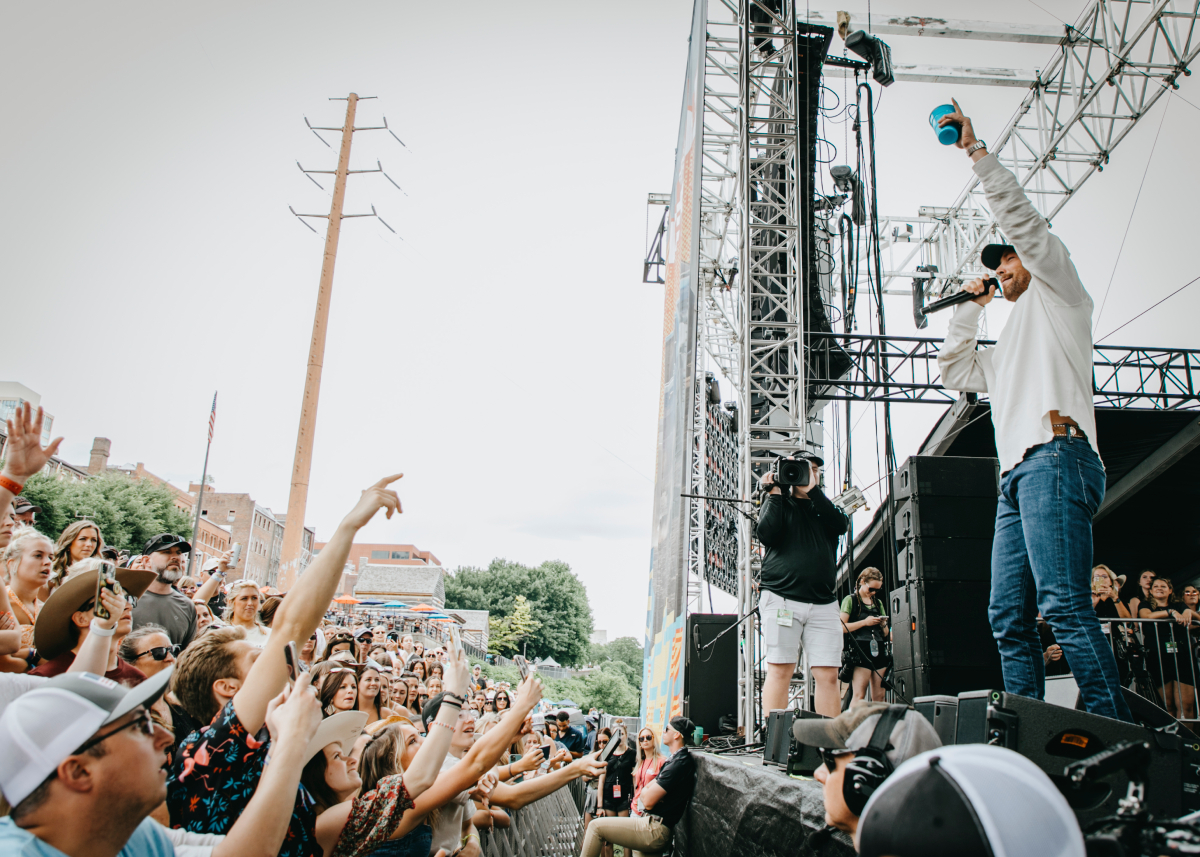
(973, 799)
(476, 678)
(1039, 379)
(162, 604)
(885, 735)
(662, 803)
(570, 737)
(798, 606)
(83, 765)
(227, 683)
(24, 512)
(592, 721)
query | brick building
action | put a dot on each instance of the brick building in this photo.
(362, 555)
(212, 540)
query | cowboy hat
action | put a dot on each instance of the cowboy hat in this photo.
(52, 634)
(342, 728)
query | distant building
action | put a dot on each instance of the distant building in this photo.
(474, 626)
(13, 395)
(410, 584)
(379, 554)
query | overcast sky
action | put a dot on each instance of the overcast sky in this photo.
(502, 351)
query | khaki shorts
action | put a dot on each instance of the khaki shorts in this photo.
(817, 628)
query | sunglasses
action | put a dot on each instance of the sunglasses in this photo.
(874, 588)
(142, 723)
(646, 738)
(829, 758)
(159, 653)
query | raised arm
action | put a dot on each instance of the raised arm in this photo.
(93, 654)
(960, 361)
(213, 585)
(307, 601)
(523, 794)
(427, 764)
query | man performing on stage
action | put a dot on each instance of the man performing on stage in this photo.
(1039, 379)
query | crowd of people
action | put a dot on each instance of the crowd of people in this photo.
(168, 714)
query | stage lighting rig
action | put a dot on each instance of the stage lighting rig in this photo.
(875, 51)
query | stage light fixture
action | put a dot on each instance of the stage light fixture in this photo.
(875, 51)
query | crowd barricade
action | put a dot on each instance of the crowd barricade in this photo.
(1157, 659)
(633, 725)
(550, 827)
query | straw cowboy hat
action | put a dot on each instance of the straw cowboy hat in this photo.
(342, 729)
(52, 632)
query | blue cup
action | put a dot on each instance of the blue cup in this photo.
(949, 133)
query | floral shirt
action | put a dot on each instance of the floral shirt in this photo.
(213, 776)
(374, 817)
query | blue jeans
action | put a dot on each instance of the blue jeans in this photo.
(1042, 560)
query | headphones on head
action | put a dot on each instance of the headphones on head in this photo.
(870, 766)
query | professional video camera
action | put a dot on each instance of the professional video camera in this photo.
(792, 471)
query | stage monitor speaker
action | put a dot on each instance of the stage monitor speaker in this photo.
(944, 623)
(909, 684)
(1053, 737)
(922, 558)
(947, 476)
(781, 748)
(942, 713)
(710, 674)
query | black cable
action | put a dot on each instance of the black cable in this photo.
(1147, 309)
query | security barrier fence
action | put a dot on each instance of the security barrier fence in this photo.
(1157, 659)
(550, 827)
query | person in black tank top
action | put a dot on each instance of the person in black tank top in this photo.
(865, 623)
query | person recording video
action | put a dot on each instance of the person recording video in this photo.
(798, 607)
(1038, 376)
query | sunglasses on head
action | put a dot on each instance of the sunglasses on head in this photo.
(159, 653)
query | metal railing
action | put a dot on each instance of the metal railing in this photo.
(1157, 659)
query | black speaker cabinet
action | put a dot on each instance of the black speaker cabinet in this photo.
(781, 748)
(909, 684)
(942, 713)
(943, 623)
(710, 675)
(1053, 737)
(947, 476)
(933, 516)
(923, 558)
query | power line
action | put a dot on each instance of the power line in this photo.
(1147, 309)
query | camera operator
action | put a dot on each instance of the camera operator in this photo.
(1039, 378)
(800, 532)
(866, 623)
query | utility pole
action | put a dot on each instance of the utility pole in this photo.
(293, 535)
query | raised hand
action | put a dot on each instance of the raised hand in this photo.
(977, 287)
(377, 497)
(115, 604)
(457, 672)
(24, 454)
(967, 137)
(529, 694)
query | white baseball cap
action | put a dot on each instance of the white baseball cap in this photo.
(969, 799)
(46, 725)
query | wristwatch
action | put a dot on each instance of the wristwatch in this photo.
(976, 146)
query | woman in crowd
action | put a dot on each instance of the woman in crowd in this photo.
(422, 697)
(387, 812)
(188, 586)
(204, 616)
(337, 686)
(369, 695)
(866, 631)
(148, 648)
(434, 686)
(437, 670)
(341, 641)
(312, 651)
(614, 791)
(266, 613)
(649, 763)
(1140, 594)
(1172, 663)
(1106, 594)
(79, 541)
(331, 775)
(244, 601)
(501, 702)
(27, 563)
(399, 698)
(420, 670)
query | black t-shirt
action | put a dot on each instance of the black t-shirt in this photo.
(1106, 609)
(619, 773)
(678, 779)
(1046, 636)
(800, 537)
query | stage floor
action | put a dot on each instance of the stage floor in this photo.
(744, 809)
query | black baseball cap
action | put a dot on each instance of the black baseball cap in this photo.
(164, 542)
(684, 727)
(21, 506)
(993, 253)
(805, 455)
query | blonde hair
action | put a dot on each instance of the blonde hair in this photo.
(241, 584)
(17, 546)
(1112, 576)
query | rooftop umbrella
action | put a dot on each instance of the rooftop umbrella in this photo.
(371, 602)
(399, 604)
(424, 608)
(346, 599)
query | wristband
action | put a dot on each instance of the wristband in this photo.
(453, 699)
(100, 631)
(13, 487)
(444, 725)
(468, 838)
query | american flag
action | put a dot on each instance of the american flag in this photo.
(212, 418)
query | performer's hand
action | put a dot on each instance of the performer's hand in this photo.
(976, 287)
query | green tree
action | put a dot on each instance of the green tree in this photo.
(128, 512)
(500, 639)
(623, 652)
(556, 597)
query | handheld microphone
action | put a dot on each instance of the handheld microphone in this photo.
(961, 297)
